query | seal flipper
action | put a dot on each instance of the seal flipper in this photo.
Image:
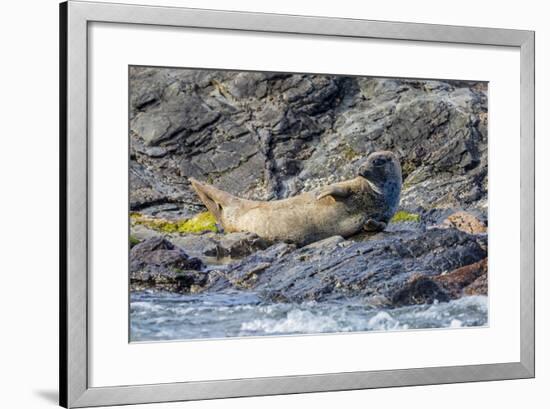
(335, 191)
(214, 199)
(374, 226)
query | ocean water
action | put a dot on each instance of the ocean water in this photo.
(157, 316)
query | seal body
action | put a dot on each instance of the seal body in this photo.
(366, 202)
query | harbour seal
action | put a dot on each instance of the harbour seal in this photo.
(366, 202)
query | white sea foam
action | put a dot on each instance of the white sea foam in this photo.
(296, 321)
(169, 316)
(383, 321)
(455, 324)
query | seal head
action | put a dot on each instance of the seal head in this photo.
(383, 174)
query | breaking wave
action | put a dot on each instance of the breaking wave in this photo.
(162, 316)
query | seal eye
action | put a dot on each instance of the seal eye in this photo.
(379, 161)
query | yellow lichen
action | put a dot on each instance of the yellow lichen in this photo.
(201, 222)
(197, 224)
(407, 168)
(349, 153)
(403, 216)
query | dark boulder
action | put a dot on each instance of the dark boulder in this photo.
(157, 263)
(387, 264)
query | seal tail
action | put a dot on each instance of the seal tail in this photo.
(214, 199)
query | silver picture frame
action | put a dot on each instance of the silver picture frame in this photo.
(75, 16)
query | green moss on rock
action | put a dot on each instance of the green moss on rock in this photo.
(134, 240)
(403, 216)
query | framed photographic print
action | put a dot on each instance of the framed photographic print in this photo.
(257, 204)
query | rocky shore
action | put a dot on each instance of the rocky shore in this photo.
(269, 136)
(410, 263)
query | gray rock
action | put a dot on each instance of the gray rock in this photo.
(212, 248)
(157, 255)
(218, 245)
(383, 265)
(270, 135)
(157, 264)
(395, 268)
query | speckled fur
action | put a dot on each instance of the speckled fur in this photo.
(339, 209)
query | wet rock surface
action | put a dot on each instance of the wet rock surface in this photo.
(380, 266)
(395, 268)
(159, 254)
(157, 263)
